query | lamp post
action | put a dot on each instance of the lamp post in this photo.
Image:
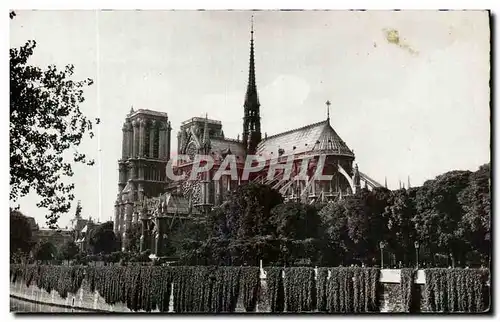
(382, 246)
(417, 246)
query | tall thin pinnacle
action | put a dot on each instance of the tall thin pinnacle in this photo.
(252, 88)
(205, 131)
(251, 120)
(328, 103)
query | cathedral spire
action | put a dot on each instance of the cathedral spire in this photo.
(252, 87)
(328, 110)
(251, 120)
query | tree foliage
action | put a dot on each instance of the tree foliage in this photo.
(241, 231)
(401, 234)
(46, 126)
(78, 210)
(103, 239)
(21, 239)
(354, 227)
(189, 242)
(334, 222)
(45, 251)
(475, 199)
(438, 214)
(448, 216)
(298, 231)
(68, 250)
(366, 227)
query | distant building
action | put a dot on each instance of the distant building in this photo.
(56, 236)
(33, 224)
(77, 232)
(81, 229)
(83, 236)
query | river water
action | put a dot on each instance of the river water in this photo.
(29, 307)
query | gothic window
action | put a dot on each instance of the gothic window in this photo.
(162, 175)
(156, 144)
(146, 142)
(191, 150)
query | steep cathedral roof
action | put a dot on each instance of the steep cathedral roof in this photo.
(177, 203)
(223, 146)
(310, 138)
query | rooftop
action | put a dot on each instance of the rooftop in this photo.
(147, 112)
(318, 136)
(201, 119)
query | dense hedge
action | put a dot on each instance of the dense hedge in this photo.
(406, 288)
(352, 289)
(147, 288)
(275, 290)
(217, 289)
(456, 290)
(300, 289)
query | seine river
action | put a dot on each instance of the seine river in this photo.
(26, 307)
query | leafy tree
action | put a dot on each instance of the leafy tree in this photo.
(45, 124)
(69, 250)
(250, 210)
(241, 231)
(103, 239)
(78, 210)
(21, 239)
(336, 238)
(298, 231)
(45, 251)
(366, 226)
(475, 225)
(401, 230)
(188, 241)
(439, 214)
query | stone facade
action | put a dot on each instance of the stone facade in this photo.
(145, 153)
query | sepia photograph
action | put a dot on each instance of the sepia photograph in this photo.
(250, 161)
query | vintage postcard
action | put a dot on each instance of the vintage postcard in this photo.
(235, 161)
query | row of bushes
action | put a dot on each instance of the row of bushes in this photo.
(217, 289)
(114, 257)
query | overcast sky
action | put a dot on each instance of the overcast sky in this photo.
(409, 89)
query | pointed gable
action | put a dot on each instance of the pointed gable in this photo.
(222, 147)
(176, 203)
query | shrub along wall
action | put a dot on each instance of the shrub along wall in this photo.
(235, 289)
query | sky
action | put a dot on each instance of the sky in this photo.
(409, 90)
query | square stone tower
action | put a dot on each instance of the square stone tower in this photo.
(145, 153)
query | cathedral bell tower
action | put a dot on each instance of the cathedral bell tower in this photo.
(251, 118)
(145, 153)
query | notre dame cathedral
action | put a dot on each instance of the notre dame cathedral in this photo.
(147, 196)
